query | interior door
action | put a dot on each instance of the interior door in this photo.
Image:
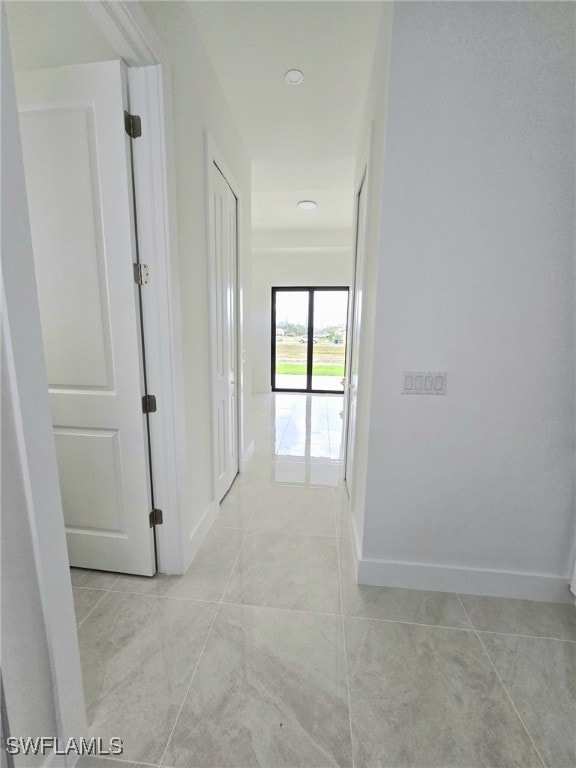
(223, 216)
(355, 329)
(78, 179)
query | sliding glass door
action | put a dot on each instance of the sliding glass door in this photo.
(309, 339)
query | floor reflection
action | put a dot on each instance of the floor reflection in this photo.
(306, 430)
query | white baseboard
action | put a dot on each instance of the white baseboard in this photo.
(468, 581)
(246, 456)
(199, 533)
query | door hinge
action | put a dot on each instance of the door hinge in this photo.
(141, 274)
(156, 517)
(133, 125)
(149, 404)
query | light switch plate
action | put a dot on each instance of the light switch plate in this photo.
(424, 382)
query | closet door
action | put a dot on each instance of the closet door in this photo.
(224, 331)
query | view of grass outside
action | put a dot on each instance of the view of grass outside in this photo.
(291, 357)
(292, 334)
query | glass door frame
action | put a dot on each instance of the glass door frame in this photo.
(310, 289)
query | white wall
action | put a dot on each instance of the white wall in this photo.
(287, 267)
(474, 491)
(51, 34)
(199, 106)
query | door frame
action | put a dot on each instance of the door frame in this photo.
(26, 395)
(310, 348)
(213, 156)
(128, 30)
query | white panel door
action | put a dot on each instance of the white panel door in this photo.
(355, 326)
(223, 274)
(78, 179)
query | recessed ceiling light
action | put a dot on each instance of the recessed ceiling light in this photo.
(307, 205)
(294, 77)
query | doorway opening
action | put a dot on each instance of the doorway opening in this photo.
(309, 329)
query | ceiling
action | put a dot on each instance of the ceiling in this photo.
(302, 139)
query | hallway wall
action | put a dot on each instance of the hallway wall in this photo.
(474, 491)
(199, 106)
(53, 34)
(287, 267)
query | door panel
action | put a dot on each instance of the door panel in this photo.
(77, 355)
(329, 345)
(223, 217)
(78, 178)
(290, 333)
(355, 330)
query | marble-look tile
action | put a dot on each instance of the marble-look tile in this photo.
(205, 579)
(325, 474)
(540, 676)
(427, 697)
(258, 473)
(521, 617)
(85, 600)
(285, 570)
(138, 654)
(297, 510)
(291, 471)
(237, 507)
(101, 762)
(82, 577)
(270, 692)
(410, 605)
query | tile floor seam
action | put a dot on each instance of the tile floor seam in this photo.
(410, 623)
(338, 547)
(110, 758)
(91, 611)
(278, 608)
(168, 597)
(197, 665)
(359, 618)
(279, 442)
(292, 533)
(189, 686)
(115, 582)
(527, 637)
(502, 684)
(92, 589)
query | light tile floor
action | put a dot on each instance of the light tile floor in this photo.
(267, 653)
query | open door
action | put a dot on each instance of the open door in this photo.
(356, 321)
(79, 187)
(224, 330)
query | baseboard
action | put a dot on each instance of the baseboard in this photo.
(468, 581)
(199, 533)
(246, 456)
